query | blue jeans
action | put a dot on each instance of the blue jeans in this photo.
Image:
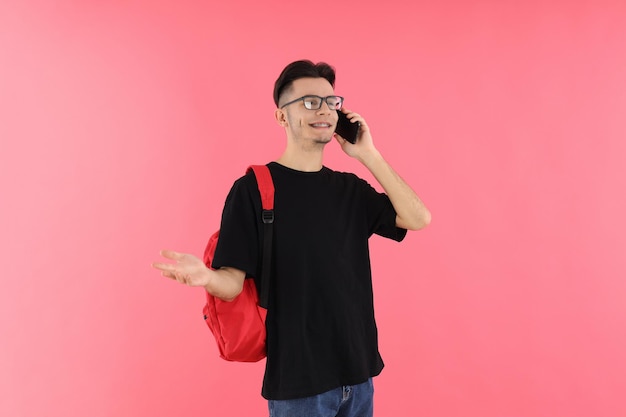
(346, 401)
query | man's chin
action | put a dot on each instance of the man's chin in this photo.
(324, 140)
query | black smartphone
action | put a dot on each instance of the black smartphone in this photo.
(346, 129)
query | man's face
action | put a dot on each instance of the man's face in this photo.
(316, 126)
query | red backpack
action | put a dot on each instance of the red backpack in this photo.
(239, 325)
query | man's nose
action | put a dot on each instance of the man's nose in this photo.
(325, 109)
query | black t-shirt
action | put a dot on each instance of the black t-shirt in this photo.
(321, 332)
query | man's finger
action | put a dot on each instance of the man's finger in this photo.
(164, 267)
(173, 255)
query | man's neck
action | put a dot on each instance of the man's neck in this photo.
(309, 160)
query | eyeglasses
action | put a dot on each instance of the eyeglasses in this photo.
(315, 102)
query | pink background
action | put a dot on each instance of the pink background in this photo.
(123, 125)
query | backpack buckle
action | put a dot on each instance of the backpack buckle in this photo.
(268, 216)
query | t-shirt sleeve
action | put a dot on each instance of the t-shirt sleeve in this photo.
(381, 216)
(238, 243)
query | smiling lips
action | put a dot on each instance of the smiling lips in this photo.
(321, 124)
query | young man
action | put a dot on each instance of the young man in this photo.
(322, 347)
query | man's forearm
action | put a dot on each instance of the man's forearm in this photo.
(225, 283)
(411, 213)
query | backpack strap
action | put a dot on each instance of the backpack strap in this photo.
(266, 189)
(266, 185)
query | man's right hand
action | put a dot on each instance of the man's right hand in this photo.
(225, 283)
(187, 270)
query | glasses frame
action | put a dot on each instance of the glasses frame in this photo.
(322, 99)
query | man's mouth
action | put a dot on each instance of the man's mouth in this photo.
(321, 124)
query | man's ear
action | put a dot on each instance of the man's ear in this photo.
(281, 117)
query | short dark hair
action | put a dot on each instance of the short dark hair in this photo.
(302, 69)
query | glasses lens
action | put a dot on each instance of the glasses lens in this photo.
(312, 102)
(334, 102)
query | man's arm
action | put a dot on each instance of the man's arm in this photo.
(225, 283)
(411, 213)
